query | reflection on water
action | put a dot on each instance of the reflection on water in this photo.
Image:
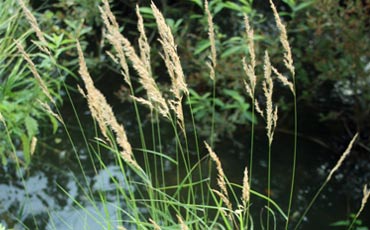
(90, 217)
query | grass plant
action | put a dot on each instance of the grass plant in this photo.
(192, 201)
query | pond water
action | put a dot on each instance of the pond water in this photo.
(45, 192)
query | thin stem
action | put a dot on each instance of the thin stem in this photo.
(294, 155)
(268, 186)
(250, 170)
(213, 111)
(310, 204)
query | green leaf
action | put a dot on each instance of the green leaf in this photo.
(201, 46)
(232, 6)
(302, 6)
(4, 161)
(340, 223)
(146, 12)
(54, 123)
(198, 2)
(31, 126)
(26, 141)
(234, 94)
(230, 51)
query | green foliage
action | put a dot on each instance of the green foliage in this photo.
(20, 93)
(358, 225)
(231, 110)
(332, 40)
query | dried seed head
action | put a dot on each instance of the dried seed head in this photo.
(342, 158)
(227, 203)
(48, 110)
(155, 225)
(211, 35)
(182, 224)
(288, 59)
(284, 80)
(221, 176)
(114, 37)
(35, 26)
(143, 42)
(250, 69)
(33, 145)
(271, 114)
(365, 197)
(246, 187)
(170, 56)
(34, 71)
(250, 34)
(2, 119)
(103, 113)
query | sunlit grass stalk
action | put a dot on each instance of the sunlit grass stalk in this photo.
(365, 197)
(328, 178)
(212, 66)
(250, 88)
(288, 62)
(271, 121)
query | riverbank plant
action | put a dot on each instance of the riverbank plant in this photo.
(201, 196)
(21, 97)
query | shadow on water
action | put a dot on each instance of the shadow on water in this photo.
(55, 166)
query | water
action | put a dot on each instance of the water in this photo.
(55, 166)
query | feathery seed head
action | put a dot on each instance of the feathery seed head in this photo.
(288, 59)
(155, 225)
(283, 79)
(221, 176)
(35, 26)
(171, 58)
(246, 187)
(342, 158)
(34, 71)
(182, 224)
(103, 113)
(211, 34)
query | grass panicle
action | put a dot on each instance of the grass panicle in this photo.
(211, 36)
(342, 158)
(221, 175)
(155, 225)
(288, 59)
(283, 79)
(35, 26)
(182, 224)
(46, 107)
(34, 71)
(170, 56)
(103, 113)
(173, 66)
(246, 187)
(249, 70)
(332, 171)
(270, 110)
(365, 197)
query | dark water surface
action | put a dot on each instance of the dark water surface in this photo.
(56, 166)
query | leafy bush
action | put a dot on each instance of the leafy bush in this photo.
(21, 96)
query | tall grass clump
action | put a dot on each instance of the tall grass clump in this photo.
(201, 196)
